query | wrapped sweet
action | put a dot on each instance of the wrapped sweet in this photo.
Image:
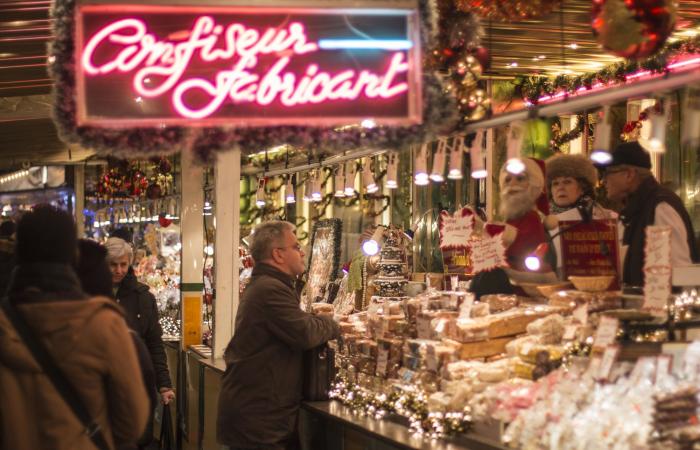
(480, 309)
(550, 329)
(469, 330)
(500, 302)
(322, 308)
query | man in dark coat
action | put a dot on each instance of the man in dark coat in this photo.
(142, 316)
(628, 179)
(261, 390)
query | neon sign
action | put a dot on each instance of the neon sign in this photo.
(154, 65)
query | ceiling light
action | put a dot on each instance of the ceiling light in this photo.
(368, 123)
(290, 196)
(438, 172)
(368, 177)
(477, 157)
(420, 174)
(339, 181)
(601, 140)
(350, 172)
(573, 45)
(316, 188)
(392, 181)
(456, 155)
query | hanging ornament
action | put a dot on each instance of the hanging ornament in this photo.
(460, 34)
(633, 29)
(468, 71)
(164, 221)
(509, 10)
(478, 104)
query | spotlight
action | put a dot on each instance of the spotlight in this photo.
(477, 157)
(350, 179)
(289, 194)
(438, 172)
(260, 194)
(515, 166)
(533, 261)
(658, 119)
(392, 181)
(371, 247)
(368, 177)
(420, 175)
(601, 142)
(316, 187)
(339, 181)
(516, 133)
(456, 155)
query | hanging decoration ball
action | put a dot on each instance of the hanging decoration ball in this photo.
(633, 29)
(509, 10)
(164, 221)
(479, 104)
(459, 33)
(469, 69)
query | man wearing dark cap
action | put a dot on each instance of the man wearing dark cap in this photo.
(628, 179)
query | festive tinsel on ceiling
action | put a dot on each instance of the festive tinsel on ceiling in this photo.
(532, 88)
(440, 113)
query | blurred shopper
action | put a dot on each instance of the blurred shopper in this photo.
(84, 336)
(141, 315)
(96, 279)
(571, 181)
(7, 253)
(261, 389)
(628, 179)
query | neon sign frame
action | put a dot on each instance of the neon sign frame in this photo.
(314, 87)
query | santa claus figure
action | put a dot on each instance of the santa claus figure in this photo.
(524, 208)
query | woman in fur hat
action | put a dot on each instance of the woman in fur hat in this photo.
(571, 181)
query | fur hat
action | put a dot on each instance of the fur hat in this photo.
(574, 166)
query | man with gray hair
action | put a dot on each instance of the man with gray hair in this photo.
(142, 316)
(628, 179)
(261, 389)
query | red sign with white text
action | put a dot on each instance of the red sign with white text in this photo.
(139, 65)
(590, 249)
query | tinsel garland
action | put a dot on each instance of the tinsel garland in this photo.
(532, 88)
(439, 113)
(410, 403)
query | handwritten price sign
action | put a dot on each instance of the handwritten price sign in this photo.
(657, 268)
(488, 253)
(455, 234)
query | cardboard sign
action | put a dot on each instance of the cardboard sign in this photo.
(204, 64)
(455, 240)
(657, 268)
(590, 249)
(488, 253)
(607, 332)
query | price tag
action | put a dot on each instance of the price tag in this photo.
(525, 349)
(431, 359)
(424, 328)
(465, 309)
(382, 360)
(488, 253)
(581, 314)
(606, 333)
(570, 332)
(606, 363)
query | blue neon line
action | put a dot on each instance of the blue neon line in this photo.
(374, 44)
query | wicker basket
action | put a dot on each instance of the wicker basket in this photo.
(549, 289)
(592, 284)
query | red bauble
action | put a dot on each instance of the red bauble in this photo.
(164, 221)
(633, 29)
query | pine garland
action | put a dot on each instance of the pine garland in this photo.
(532, 88)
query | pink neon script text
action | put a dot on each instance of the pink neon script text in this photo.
(162, 65)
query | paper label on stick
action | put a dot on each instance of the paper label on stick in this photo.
(657, 268)
(606, 363)
(607, 332)
(581, 314)
(569, 332)
(382, 360)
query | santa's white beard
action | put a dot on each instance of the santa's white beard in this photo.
(515, 203)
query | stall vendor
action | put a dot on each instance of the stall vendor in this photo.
(628, 179)
(571, 181)
(523, 206)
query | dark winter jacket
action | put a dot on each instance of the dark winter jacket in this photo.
(7, 262)
(638, 213)
(261, 388)
(142, 316)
